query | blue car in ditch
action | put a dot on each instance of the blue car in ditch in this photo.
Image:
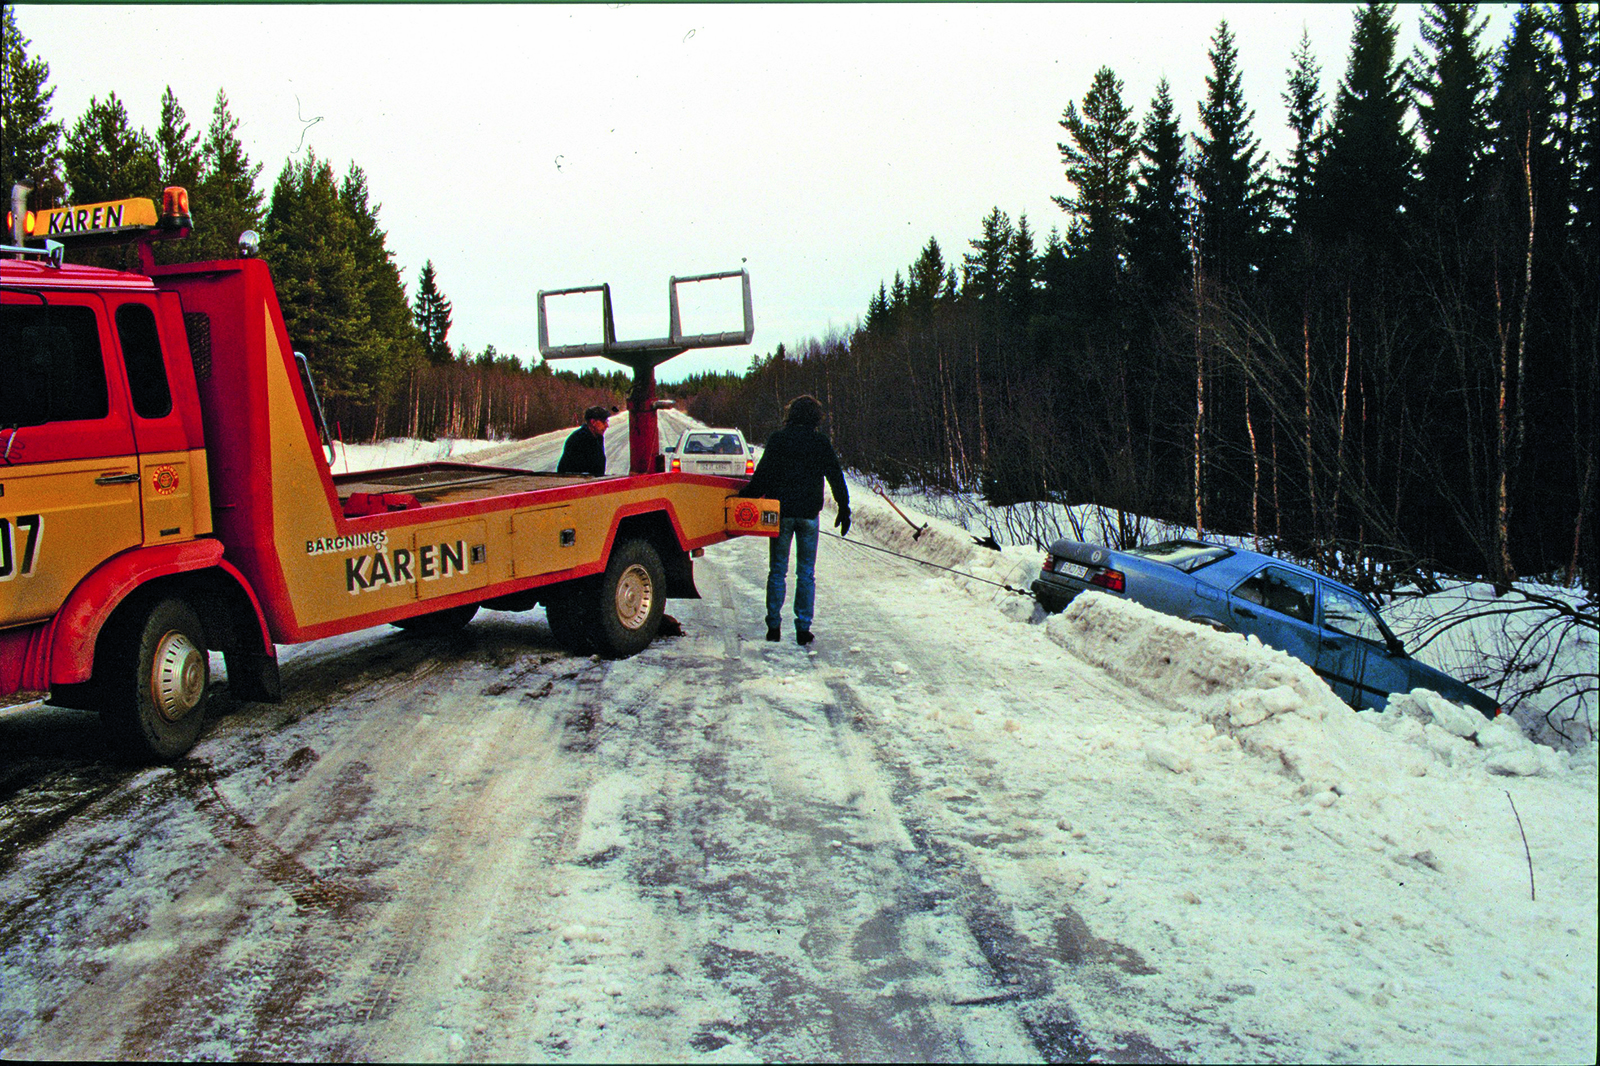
(1326, 624)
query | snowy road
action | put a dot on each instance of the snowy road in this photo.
(934, 835)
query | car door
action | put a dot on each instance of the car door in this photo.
(1278, 606)
(1350, 637)
(69, 479)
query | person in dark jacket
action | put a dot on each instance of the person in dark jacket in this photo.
(585, 452)
(796, 461)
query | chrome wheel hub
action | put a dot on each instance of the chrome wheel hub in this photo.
(177, 676)
(635, 596)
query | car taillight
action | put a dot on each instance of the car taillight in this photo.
(1110, 579)
(1049, 562)
(749, 466)
(677, 464)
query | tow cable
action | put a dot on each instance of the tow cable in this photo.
(912, 558)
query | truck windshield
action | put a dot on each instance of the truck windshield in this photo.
(1186, 555)
(50, 362)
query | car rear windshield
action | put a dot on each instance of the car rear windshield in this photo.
(712, 444)
(1186, 555)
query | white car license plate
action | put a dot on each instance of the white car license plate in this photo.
(715, 468)
(1072, 569)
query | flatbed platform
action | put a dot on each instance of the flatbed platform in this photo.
(435, 483)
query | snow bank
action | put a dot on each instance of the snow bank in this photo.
(406, 451)
(1274, 706)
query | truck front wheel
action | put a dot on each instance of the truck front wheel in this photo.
(632, 596)
(158, 677)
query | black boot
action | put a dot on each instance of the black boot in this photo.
(773, 634)
(803, 637)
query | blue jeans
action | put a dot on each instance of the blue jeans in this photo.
(804, 532)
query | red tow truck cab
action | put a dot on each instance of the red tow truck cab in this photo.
(164, 492)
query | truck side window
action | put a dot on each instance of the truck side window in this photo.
(51, 365)
(141, 354)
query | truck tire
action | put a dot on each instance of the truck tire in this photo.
(157, 678)
(567, 611)
(438, 623)
(632, 597)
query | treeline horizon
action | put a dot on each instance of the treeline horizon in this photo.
(1380, 354)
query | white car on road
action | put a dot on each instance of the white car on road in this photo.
(712, 451)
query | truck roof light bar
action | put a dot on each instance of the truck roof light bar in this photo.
(130, 220)
(646, 353)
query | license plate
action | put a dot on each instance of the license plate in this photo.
(1072, 569)
(716, 468)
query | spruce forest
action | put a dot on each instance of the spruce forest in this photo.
(1379, 353)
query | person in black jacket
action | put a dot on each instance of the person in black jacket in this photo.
(585, 452)
(792, 468)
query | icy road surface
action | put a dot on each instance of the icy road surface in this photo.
(948, 830)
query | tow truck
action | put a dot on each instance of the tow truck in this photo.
(165, 490)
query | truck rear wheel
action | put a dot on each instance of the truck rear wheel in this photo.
(158, 677)
(631, 599)
(439, 622)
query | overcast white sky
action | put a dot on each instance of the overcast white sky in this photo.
(531, 147)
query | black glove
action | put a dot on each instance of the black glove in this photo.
(843, 522)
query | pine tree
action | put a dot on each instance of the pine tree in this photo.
(985, 267)
(930, 283)
(177, 147)
(1575, 30)
(1304, 100)
(899, 299)
(1022, 273)
(228, 201)
(30, 142)
(432, 314)
(107, 159)
(878, 317)
(309, 241)
(395, 339)
(1363, 177)
(1157, 237)
(1230, 183)
(1099, 164)
(1451, 84)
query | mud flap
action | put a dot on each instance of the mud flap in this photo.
(253, 676)
(680, 576)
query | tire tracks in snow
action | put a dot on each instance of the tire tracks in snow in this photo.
(1023, 971)
(845, 925)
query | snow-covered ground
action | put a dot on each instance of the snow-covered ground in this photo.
(954, 828)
